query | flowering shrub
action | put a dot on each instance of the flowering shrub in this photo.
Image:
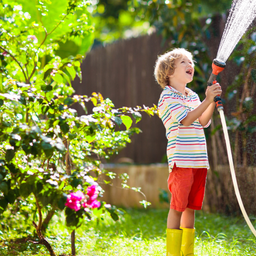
(78, 199)
(47, 151)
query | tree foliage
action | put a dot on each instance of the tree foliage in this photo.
(120, 19)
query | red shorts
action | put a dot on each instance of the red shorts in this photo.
(187, 186)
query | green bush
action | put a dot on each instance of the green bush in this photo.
(47, 150)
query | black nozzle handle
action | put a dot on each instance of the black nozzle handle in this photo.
(212, 78)
(217, 99)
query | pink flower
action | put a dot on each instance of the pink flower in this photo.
(33, 38)
(77, 196)
(73, 200)
(93, 204)
(4, 53)
(75, 205)
(91, 201)
(91, 191)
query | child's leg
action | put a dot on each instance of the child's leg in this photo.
(174, 233)
(188, 218)
(173, 220)
(187, 224)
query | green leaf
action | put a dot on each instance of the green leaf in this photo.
(61, 107)
(58, 78)
(45, 199)
(71, 70)
(46, 145)
(68, 188)
(64, 127)
(25, 190)
(137, 116)
(49, 95)
(11, 196)
(22, 100)
(114, 216)
(3, 204)
(39, 187)
(4, 187)
(90, 138)
(94, 101)
(127, 121)
(72, 220)
(9, 155)
(113, 212)
(48, 152)
(62, 201)
(75, 182)
(118, 120)
(47, 88)
(68, 101)
(47, 67)
(72, 136)
(12, 168)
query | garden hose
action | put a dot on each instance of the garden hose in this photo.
(232, 171)
(217, 67)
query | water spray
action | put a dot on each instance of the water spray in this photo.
(241, 15)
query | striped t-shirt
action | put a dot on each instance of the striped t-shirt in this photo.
(186, 144)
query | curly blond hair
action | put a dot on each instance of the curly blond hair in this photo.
(165, 65)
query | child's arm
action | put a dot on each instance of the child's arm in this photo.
(206, 116)
(204, 111)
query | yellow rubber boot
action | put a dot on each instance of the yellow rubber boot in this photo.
(187, 243)
(173, 242)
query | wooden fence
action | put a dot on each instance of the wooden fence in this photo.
(123, 72)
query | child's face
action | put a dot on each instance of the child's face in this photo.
(184, 71)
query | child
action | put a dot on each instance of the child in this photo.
(184, 118)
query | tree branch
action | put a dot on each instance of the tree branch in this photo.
(40, 214)
(23, 71)
(43, 241)
(47, 220)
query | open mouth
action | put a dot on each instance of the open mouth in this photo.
(189, 72)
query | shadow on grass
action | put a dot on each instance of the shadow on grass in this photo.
(141, 223)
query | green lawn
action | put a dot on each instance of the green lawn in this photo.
(139, 232)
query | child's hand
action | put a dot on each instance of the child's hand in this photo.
(212, 91)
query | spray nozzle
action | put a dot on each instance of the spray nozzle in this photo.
(217, 67)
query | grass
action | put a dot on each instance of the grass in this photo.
(138, 233)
